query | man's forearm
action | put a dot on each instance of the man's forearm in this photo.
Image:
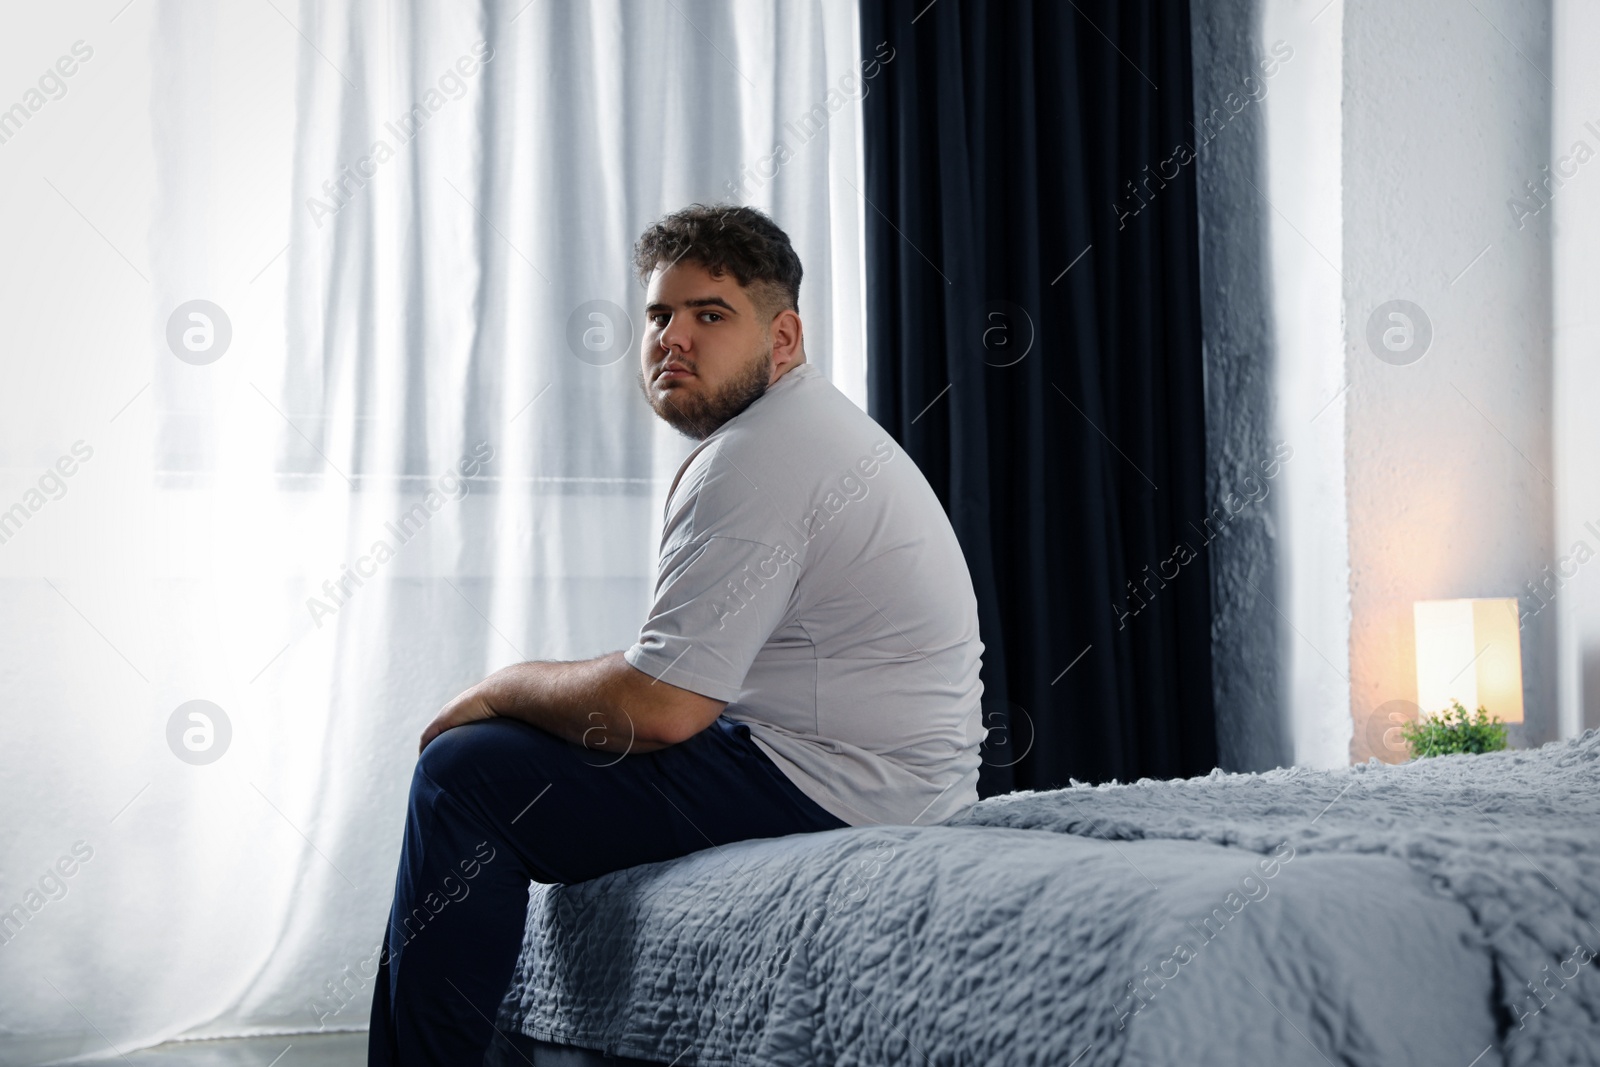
(605, 704)
(583, 702)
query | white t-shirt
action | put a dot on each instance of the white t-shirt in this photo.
(810, 577)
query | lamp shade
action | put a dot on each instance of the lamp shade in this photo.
(1471, 651)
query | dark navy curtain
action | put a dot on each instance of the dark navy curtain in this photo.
(1034, 343)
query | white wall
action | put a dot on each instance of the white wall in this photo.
(1446, 113)
(1572, 588)
(1304, 129)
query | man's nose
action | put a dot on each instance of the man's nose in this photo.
(675, 337)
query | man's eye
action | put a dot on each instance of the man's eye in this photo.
(711, 315)
(659, 319)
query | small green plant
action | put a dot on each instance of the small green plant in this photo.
(1454, 731)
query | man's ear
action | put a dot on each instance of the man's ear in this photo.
(788, 337)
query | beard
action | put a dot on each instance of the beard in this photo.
(697, 415)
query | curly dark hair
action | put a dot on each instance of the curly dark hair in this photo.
(726, 239)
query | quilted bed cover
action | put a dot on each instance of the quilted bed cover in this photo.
(1443, 911)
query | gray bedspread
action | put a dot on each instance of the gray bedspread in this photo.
(1514, 836)
(1439, 912)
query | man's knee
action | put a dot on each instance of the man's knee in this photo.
(493, 749)
(460, 752)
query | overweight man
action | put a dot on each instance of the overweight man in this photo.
(810, 661)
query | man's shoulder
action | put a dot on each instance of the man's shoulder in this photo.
(760, 479)
(810, 427)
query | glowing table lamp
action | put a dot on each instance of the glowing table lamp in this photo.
(1471, 651)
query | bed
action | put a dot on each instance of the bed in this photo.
(1443, 911)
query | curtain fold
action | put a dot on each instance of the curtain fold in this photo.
(1034, 343)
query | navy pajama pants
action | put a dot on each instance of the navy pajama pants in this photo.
(497, 803)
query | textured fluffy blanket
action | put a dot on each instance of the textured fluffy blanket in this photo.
(1515, 836)
(1009, 936)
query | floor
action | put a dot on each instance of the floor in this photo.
(295, 1050)
(340, 1050)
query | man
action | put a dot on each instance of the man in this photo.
(810, 662)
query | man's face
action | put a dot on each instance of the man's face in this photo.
(706, 353)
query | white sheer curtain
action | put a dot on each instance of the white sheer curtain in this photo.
(283, 530)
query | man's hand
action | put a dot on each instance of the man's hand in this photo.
(468, 707)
